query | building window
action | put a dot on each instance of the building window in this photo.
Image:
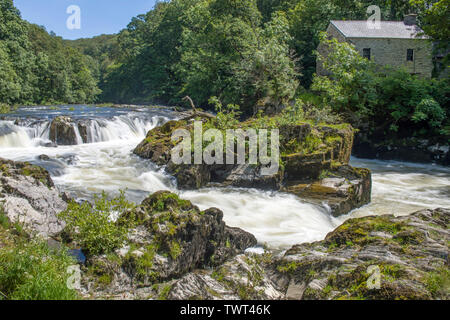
(366, 53)
(410, 55)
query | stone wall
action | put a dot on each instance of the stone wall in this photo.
(388, 52)
(393, 52)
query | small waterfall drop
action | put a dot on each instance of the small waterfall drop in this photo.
(26, 134)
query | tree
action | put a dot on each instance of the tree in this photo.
(227, 52)
(350, 87)
(38, 67)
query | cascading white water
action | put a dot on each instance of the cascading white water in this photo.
(106, 163)
(18, 137)
(98, 130)
(119, 128)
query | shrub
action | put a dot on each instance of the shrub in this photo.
(94, 226)
(33, 271)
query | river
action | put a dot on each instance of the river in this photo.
(277, 219)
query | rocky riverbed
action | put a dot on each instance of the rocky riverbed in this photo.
(410, 253)
(227, 232)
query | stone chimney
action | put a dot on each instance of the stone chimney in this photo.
(410, 19)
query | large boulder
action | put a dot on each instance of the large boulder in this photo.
(341, 189)
(63, 131)
(171, 237)
(30, 198)
(309, 150)
(157, 147)
(408, 254)
(243, 278)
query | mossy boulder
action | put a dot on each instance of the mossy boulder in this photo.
(409, 253)
(169, 238)
(158, 143)
(307, 152)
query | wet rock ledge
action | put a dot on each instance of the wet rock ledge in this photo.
(409, 256)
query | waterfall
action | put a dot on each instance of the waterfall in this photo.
(37, 133)
(120, 128)
(13, 136)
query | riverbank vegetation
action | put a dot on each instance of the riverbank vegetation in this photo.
(29, 268)
(261, 55)
(257, 54)
(384, 102)
(37, 67)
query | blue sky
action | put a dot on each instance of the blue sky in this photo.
(97, 16)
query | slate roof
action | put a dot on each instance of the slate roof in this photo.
(389, 29)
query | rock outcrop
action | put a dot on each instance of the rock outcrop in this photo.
(28, 196)
(314, 165)
(171, 237)
(62, 131)
(408, 149)
(409, 256)
(342, 189)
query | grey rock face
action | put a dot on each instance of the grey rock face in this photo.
(171, 238)
(244, 277)
(30, 198)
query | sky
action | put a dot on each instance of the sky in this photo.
(96, 16)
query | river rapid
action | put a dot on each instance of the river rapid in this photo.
(278, 220)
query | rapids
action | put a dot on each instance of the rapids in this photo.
(276, 219)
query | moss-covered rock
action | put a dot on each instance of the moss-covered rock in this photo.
(158, 143)
(342, 189)
(307, 152)
(410, 254)
(169, 238)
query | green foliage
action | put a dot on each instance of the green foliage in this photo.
(37, 68)
(4, 221)
(94, 227)
(227, 117)
(203, 49)
(32, 271)
(438, 282)
(164, 292)
(434, 19)
(4, 108)
(349, 88)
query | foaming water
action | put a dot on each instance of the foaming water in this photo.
(401, 188)
(276, 219)
(106, 163)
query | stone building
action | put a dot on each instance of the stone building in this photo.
(394, 43)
